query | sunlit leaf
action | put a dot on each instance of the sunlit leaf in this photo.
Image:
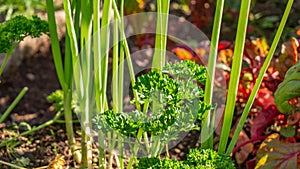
(287, 90)
(134, 6)
(289, 53)
(274, 153)
(183, 54)
(256, 47)
(298, 31)
(225, 56)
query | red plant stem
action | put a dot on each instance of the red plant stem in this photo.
(247, 142)
(288, 158)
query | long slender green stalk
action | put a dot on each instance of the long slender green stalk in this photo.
(120, 149)
(103, 62)
(101, 141)
(77, 18)
(68, 100)
(115, 75)
(77, 76)
(207, 127)
(55, 44)
(97, 75)
(235, 74)
(159, 54)
(164, 27)
(4, 63)
(69, 125)
(71, 30)
(161, 34)
(127, 54)
(121, 64)
(120, 84)
(104, 46)
(112, 136)
(11, 165)
(13, 105)
(64, 76)
(260, 77)
(96, 49)
(68, 67)
(86, 69)
(68, 96)
(33, 129)
(157, 57)
(135, 148)
(155, 147)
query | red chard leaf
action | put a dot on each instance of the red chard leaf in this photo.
(277, 154)
(262, 120)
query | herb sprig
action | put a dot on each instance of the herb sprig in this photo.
(16, 29)
(171, 102)
(196, 159)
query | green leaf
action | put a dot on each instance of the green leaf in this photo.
(288, 89)
(16, 29)
(288, 131)
(145, 163)
(57, 99)
(274, 153)
(22, 161)
(209, 158)
(196, 159)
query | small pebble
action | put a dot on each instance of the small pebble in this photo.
(177, 150)
(30, 76)
(181, 146)
(19, 151)
(95, 160)
(2, 125)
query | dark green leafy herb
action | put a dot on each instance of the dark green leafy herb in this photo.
(210, 159)
(196, 159)
(187, 70)
(155, 163)
(57, 98)
(16, 29)
(145, 163)
(171, 102)
(150, 86)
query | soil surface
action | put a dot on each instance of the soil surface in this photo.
(37, 72)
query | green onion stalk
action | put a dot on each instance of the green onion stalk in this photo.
(65, 71)
(86, 68)
(207, 124)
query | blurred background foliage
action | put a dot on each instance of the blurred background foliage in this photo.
(263, 19)
(11, 8)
